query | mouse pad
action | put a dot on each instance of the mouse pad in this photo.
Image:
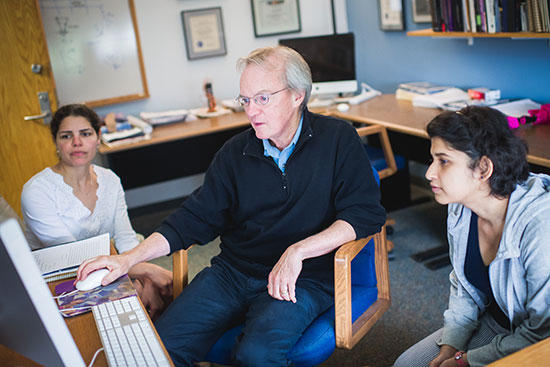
(72, 302)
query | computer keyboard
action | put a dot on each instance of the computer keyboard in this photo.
(127, 336)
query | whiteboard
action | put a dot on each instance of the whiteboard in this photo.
(94, 51)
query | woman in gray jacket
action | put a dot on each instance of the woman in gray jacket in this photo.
(498, 228)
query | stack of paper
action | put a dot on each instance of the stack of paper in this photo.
(518, 108)
(422, 87)
(166, 117)
(139, 130)
(440, 99)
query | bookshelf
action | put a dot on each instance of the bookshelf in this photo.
(431, 33)
(470, 36)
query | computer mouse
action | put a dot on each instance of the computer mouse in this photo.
(92, 281)
(342, 107)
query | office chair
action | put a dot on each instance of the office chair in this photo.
(361, 296)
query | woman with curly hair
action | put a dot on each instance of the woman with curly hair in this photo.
(498, 228)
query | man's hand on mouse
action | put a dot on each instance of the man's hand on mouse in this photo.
(118, 265)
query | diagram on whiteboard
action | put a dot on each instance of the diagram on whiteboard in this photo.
(93, 49)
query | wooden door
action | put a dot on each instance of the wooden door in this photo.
(26, 147)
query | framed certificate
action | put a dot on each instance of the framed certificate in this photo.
(203, 31)
(391, 15)
(273, 17)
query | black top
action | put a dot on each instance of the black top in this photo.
(259, 211)
(478, 274)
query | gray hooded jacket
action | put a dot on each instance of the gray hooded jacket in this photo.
(519, 275)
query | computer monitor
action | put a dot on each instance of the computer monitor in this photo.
(331, 59)
(30, 323)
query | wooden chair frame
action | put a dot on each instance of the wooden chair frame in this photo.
(180, 270)
(348, 333)
(388, 156)
(385, 145)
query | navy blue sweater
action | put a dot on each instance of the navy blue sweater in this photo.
(258, 211)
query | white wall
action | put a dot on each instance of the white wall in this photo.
(175, 82)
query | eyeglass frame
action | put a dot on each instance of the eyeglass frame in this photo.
(240, 99)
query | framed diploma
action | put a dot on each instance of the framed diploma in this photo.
(203, 31)
(273, 17)
(391, 15)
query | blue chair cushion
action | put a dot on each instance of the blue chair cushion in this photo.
(376, 157)
(317, 342)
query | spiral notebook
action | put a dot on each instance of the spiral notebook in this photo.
(62, 261)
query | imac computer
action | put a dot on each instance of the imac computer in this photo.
(30, 323)
(331, 59)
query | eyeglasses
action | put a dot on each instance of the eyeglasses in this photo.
(261, 99)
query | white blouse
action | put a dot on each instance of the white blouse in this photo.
(54, 215)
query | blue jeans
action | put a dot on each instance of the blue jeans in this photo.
(219, 298)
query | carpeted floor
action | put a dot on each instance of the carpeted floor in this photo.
(419, 295)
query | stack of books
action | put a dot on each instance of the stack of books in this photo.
(408, 91)
(490, 16)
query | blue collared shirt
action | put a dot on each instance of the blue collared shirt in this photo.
(279, 157)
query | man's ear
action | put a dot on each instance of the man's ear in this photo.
(485, 168)
(298, 97)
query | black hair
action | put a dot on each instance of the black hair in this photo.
(74, 110)
(483, 131)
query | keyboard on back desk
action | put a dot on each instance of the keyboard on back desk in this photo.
(127, 336)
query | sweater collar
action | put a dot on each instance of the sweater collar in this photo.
(255, 147)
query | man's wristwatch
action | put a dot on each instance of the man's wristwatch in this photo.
(460, 362)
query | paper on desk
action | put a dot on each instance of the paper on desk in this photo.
(232, 104)
(147, 129)
(167, 117)
(203, 112)
(152, 115)
(438, 100)
(517, 108)
(70, 255)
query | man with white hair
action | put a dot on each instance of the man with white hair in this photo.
(282, 196)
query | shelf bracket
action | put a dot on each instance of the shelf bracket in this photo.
(470, 41)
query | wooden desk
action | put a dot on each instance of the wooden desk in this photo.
(85, 334)
(402, 117)
(536, 355)
(182, 149)
(184, 130)
(174, 151)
